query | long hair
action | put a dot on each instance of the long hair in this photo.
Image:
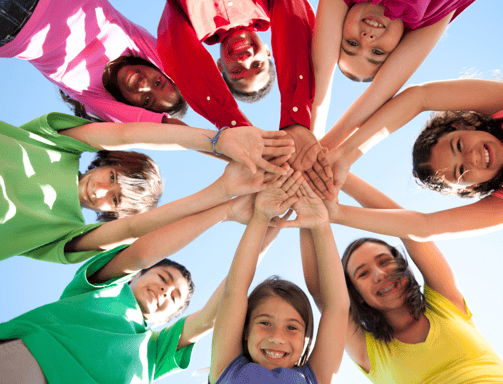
(371, 319)
(109, 80)
(78, 108)
(440, 124)
(293, 295)
(139, 178)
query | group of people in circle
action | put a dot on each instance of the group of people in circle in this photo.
(129, 90)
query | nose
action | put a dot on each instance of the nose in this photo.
(367, 35)
(276, 336)
(143, 85)
(379, 275)
(166, 290)
(473, 157)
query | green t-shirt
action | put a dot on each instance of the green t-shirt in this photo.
(454, 351)
(96, 334)
(39, 206)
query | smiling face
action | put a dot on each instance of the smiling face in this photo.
(99, 189)
(276, 333)
(160, 292)
(368, 37)
(370, 268)
(146, 87)
(467, 157)
(244, 59)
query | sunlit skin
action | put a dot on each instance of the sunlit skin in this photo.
(147, 88)
(370, 268)
(244, 58)
(275, 335)
(99, 190)
(467, 157)
(368, 37)
(160, 292)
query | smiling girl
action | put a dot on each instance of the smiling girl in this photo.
(383, 41)
(458, 153)
(396, 333)
(268, 335)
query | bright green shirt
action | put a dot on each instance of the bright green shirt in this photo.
(454, 351)
(39, 206)
(96, 334)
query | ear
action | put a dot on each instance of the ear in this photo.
(267, 50)
(220, 66)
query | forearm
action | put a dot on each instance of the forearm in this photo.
(245, 260)
(126, 230)
(116, 136)
(310, 265)
(332, 282)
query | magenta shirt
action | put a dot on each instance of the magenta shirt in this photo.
(418, 13)
(71, 41)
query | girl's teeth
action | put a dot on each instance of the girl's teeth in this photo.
(383, 291)
(373, 23)
(275, 355)
(486, 155)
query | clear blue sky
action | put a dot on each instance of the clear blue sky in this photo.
(470, 46)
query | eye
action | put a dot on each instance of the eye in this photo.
(112, 176)
(266, 323)
(236, 71)
(461, 171)
(116, 202)
(257, 64)
(157, 82)
(146, 101)
(291, 328)
(385, 261)
(162, 278)
(352, 43)
(458, 145)
(377, 52)
(363, 274)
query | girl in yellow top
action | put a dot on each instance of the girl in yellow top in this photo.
(396, 334)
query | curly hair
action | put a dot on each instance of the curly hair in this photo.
(186, 275)
(371, 319)
(293, 295)
(109, 80)
(252, 97)
(139, 178)
(440, 124)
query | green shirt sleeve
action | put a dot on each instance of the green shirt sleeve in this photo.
(168, 359)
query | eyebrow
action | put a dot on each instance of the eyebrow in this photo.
(270, 317)
(371, 61)
(451, 143)
(364, 265)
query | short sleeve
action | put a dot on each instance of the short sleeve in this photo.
(168, 359)
(80, 283)
(442, 305)
(47, 127)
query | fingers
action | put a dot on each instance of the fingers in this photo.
(288, 143)
(321, 182)
(273, 134)
(247, 162)
(270, 167)
(278, 151)
(310, 156)
(287, 215)
(307, 191)
(292, 184)
(323, 161)
(316, 184)
(290, 224)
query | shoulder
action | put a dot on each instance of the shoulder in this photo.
(438, 304)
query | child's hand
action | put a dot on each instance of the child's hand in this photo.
(241, 208)
(248, 145)
(279, 196)
(311, 212)
(239, 180)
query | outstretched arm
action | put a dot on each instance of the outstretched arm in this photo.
(396, 70)
(200, 323)
(469, 220)
(431, 262)
(333, 300)
(231, 313)
(246, 145)
(236, 180)
(327, 39)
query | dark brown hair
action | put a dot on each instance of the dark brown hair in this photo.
(186, 275)
(110, 83)
(252, 97)
(139, 178)
(371, 319)
(440, 124)
(293, 295)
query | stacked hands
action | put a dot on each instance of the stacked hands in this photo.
(267, 150)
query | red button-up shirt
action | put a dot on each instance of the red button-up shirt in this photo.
(185, 24)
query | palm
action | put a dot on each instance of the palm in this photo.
(271, 202)
(311, 212)
(242, 208)
(239, 180)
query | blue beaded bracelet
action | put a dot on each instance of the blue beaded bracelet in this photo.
(214, 140)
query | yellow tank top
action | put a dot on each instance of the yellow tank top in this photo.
(454, 351)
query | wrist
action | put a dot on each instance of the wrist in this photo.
(260, 216)
(216, 141)
(322, 228)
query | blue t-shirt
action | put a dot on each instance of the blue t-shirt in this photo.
(242, 371)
